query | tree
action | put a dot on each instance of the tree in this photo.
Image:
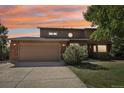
(3, 41)
(109, 19)
(110, 22)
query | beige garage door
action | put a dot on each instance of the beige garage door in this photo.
(39, 52)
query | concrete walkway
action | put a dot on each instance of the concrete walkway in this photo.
(38, 77)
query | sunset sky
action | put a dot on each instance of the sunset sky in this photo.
(24, 20)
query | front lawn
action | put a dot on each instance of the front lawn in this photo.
(101, 73)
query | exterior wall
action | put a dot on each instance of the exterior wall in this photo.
(14, 46)
(88, 33)
(63, 33)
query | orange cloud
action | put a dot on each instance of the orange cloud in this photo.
(13, 15)
(67, 24)
(15, 20)
(24, 34)
(55, 24)
(32, 16)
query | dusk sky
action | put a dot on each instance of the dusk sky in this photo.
(24, 20)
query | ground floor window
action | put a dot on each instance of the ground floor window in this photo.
(100, 48)
(74, 43)
(94, 48)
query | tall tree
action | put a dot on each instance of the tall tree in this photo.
(3, 40)
(109, 19)
(110, 22)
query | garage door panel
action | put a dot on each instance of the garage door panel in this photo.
(40, 51)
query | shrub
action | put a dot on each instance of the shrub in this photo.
(117, 49)
(74, 54)
(4, 53)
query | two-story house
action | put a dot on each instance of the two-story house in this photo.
(52, 43)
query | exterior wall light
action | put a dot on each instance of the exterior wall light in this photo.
(70, 35)
(63, 45)
(14, 44)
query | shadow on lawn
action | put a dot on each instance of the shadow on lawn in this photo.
(91, 66)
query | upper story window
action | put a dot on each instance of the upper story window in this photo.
(50, 33)
(53, 33)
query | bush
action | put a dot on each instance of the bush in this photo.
(4, 53)
(117, 50)
(74, 54)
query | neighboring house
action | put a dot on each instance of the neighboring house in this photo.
(52, 43)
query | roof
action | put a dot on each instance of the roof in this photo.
(71, 28)
(3, 36)
(41, 39)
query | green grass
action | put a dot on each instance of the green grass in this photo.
(101, 73)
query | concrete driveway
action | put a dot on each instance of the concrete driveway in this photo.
(38, 77)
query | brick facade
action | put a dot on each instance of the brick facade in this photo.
(14, 50)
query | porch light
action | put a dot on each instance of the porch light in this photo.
(63, 45)
(70, 35)
(14, 44)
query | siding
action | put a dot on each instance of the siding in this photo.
(63, 33)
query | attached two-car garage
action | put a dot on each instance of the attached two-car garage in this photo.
(33, 51)
(36, 49)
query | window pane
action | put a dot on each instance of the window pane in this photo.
(50, 33)
(94, 48)
(54, 33)
(74, 44)
(102, 48)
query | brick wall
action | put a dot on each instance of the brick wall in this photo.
(14, 50)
